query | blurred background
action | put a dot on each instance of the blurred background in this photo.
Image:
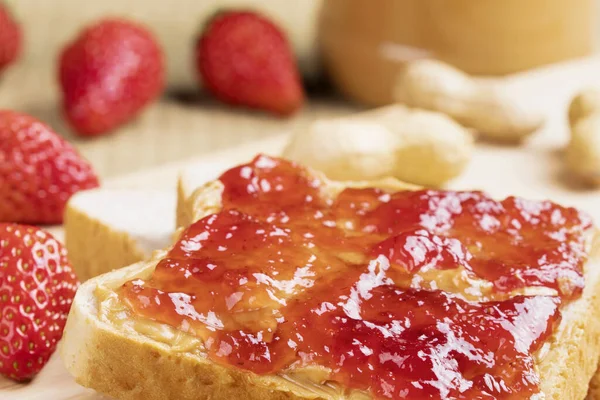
(348, 52)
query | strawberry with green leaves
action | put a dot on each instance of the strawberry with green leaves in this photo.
(37, 286)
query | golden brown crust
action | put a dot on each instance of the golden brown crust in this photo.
(171, 377)
(193, 205)
(594, 389)
(184, 209)
(105, 229)
(87, 240)
(204, 201)
(132, 367)
(145, 371)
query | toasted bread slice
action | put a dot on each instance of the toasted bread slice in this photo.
(105, 349)
(107, 229)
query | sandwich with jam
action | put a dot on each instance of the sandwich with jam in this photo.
(285, 285)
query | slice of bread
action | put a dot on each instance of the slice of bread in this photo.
(107, 229)
(127, 358)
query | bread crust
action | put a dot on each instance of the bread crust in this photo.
(134, 367)
(129, 368)
(184, 208)
(87, 240)
(195, 204)
(594, 389)
(99, 243)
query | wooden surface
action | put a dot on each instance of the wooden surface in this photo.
(533, 170)
(180, 126)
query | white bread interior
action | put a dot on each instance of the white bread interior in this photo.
(128, 364)
(107, 229)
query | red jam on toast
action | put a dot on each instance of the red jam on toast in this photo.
(413, 294)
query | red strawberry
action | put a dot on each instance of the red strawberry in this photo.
(37, 286)
(10, 38)
(39, 171)
(245, 59)
(109, 74)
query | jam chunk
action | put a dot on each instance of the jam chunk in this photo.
(414, 294)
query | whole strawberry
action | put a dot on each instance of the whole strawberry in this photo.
(37, 286)
(10, 38)
(244, 59)
(39, 171)
(109, 74)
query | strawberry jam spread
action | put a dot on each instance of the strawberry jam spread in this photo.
(413, 294)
